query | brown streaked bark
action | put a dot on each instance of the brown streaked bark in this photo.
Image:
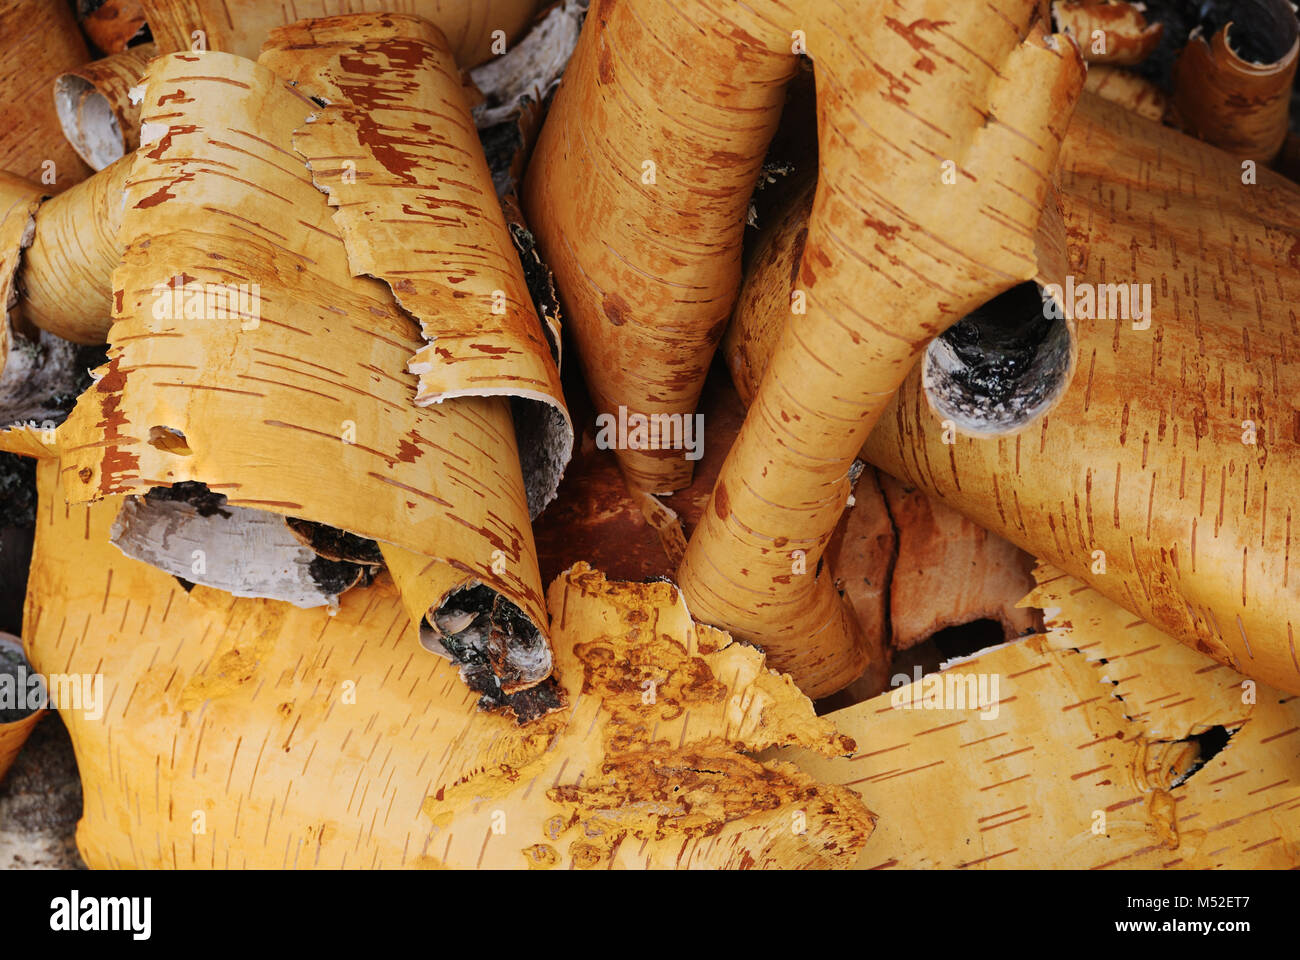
(240, 26)
(785, 483)
(638, 189)
(312, 370)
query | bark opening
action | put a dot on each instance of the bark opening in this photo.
(499, 650)
(1001, 366)
(88, 120)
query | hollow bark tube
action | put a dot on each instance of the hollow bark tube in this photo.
(1166, 477)
(240, 26)
(95, 108)
(1239, 105)
(41, 41)
(637, 191)
(892, 258)
(66, 276)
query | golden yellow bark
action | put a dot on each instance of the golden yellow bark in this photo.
(66, 277)
(309, 365)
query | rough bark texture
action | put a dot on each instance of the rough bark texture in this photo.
(249, 733)
(314, 374)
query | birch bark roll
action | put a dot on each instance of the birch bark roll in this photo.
(66, 279)
(893, 257)
(1166, 476)
(1234, 103)
(42, 41)
(295, 401)
(95, 108)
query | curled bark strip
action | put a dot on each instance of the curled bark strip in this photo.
(95, 109)
(16, 723)
(752, 564)
(524, 77)
(1128, 89)
(113, 24)
(1166, 476)
(66, 278)
(1240, 105)
(653, 752)
(396, 150)
(308, 361)
(949, 571)
(1108, 31)
(637, 191)
(41, 42)
(240, 26)
(1102, 745)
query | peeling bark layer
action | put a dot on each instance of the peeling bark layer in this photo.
(1100, 754)
(396, 150)
(41, 42)
(95, 108)
(1235, 96)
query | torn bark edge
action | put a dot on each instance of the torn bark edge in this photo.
(1126, 37)
(465, 618)
(38, 370)
(525, 76)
